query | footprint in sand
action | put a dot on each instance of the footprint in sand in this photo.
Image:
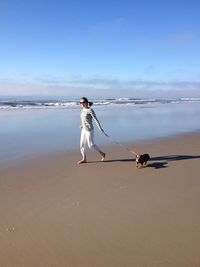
(10, 229)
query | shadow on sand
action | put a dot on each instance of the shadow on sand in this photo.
(163, 161)
(175, 157)
(159, 162)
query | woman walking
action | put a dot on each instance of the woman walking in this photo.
(87, 130)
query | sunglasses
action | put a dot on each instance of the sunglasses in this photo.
(82, 102)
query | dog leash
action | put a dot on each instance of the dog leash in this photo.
(131, 151)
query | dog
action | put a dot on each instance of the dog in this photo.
(141, 160)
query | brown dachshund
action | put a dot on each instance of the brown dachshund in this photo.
(141, 160)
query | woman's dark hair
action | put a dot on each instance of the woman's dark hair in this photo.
(84, 99)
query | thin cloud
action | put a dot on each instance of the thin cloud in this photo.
(133, 83)
(181, 38)
(110, 25)
(177, 39)
(121, 22)
(49, 79)
(103, 87)
(149, 70)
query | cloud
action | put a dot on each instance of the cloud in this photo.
(177, 39)
(181, 38)
(121, 22)
(109, 26)
(101, 87)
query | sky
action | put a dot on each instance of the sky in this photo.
(100, 48)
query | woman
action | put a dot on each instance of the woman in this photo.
(87, 129)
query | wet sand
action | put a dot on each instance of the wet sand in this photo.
(57, 213)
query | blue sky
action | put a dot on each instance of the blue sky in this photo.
(100, 48)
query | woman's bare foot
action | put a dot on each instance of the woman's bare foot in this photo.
(82, 161)
(103, 156)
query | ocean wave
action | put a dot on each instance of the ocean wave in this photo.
(47, 104)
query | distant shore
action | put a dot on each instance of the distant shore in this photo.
(57, 213)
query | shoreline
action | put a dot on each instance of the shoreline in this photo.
(27, 133)
(57, 213)
(137, 146)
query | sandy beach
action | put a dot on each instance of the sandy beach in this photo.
(120, 77)
(57, 213)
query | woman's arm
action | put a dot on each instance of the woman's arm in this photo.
(96, 120)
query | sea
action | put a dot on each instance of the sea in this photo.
(30, 102)
(31, 126)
